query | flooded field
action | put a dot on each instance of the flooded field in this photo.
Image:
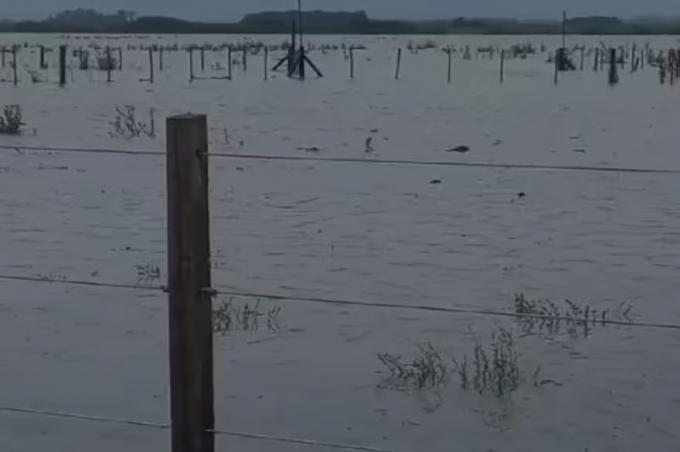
(403, 234)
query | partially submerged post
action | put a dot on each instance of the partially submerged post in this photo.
(244, 58)
(14, 64)
(120, 59)
(202, 58)
(597, 58)
(150, 64)
(62, 65)
(613, 68)
(558, 55)
(160, 59)
(109, 64)
(229, 50)
(351, 62)
(43, 64)
(583, 49)
(191, 64)
(189, 285)
(448, 72)
(266, 62)
(3, 57)
(398, 69)
(502, 65)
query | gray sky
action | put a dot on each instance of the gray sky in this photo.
(223, 10)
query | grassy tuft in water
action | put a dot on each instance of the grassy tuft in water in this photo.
(574, 318)
(426, 370)
(230, 316)
(11, 120)
(492, 369)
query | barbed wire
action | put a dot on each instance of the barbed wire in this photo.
(355, 303)
(165, 426)
(349, 160)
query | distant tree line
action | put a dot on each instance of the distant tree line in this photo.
(321, 22)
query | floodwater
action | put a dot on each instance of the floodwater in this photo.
(375, 233)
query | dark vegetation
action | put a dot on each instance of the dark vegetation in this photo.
(320, 22)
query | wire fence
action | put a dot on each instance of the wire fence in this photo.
(292, 298)
(404, 162)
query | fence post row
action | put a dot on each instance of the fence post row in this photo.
(190, 304)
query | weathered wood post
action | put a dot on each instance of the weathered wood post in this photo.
(633, 65)
(398, 69)
(189, 282)
(266, 63)
(351, 62)
(597, 58)
(613, 68)
(502, 66)
(161, 65)
(62, 65)
(229, 50)
(43, 65)
(14, 64)
(3, 57)
(559, 55)
(244, 58)
(583, 50)
(191, 64)
(120, 59)
(302, 62)
(109, 64)
(202, 59)
(151, 65)
(449, 73)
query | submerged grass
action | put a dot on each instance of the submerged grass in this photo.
(231, 316)
(491, 369)
(570, 317)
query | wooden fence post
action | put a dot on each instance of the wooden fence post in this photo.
(191, 64)
(266, 63)
(62, 65)
(613, 66)
(448, 74)
(14, 64)
(109, 64)
(396, 73)
(150, 64)
(190, 300)
(43, 65)
(351, 62)
(229, 51)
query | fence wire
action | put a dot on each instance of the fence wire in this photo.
(349, 160)
(347, 302)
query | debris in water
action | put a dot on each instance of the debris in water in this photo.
(368, 145)
(309, 148)
(582, 151)
(435, 181)
(460, 149)
(521, 195)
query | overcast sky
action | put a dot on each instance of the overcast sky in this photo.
(222, 10)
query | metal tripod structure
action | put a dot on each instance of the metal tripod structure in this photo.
(297, 58)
